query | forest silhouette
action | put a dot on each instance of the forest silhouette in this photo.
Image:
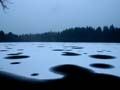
(77, 34)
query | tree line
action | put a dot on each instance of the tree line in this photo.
(77, 34)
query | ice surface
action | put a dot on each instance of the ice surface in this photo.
(44, 56)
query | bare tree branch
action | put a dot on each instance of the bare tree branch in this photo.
(4, 3)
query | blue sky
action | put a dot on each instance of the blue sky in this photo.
(36, 16)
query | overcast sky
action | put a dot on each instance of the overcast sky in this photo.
(36, 16)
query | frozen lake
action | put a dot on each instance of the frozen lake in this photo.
(35, 60)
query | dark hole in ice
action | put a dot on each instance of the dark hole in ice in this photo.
(76, 77)
(101, 65)
(8, 48)
(75, 47)
(100, 51)
(34, 74)
(108, 51)
(98, 56)
(104, 51)
(20, 49)
(17, 57)
(85, 53)
(73, 72)
(3, 50)
(58, 50)
(68, 50)
(15, 53)
(15, 63)
(40, 46)
(70, 54)
(80, 75)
